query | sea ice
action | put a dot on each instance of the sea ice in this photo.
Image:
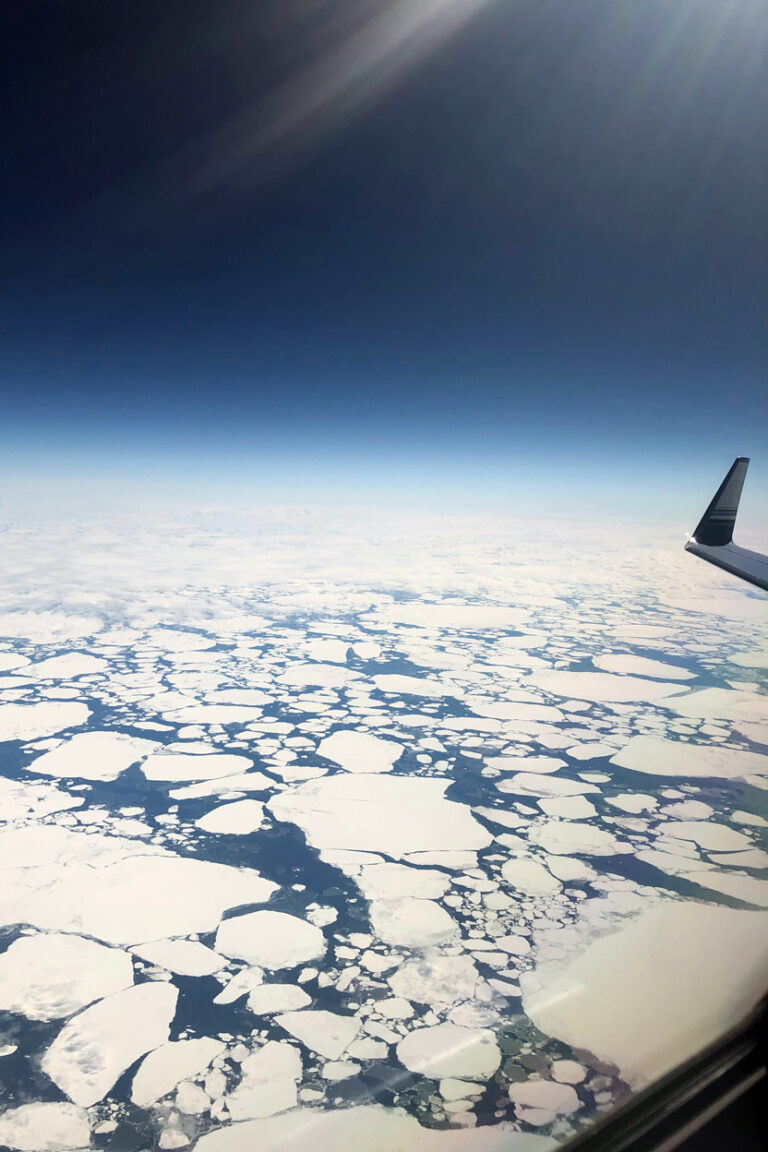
(44, 1128)
(26, 801)
(270, 998)
(360, 752)
(530, 877)
(93, 756)
(413, 686)
(372, 1127)
(568, 807)
(270, 939)
(641, 666)
(31, 721)
(237, 819)
(45, 977)
(66, 667)
(446, 1050)
(562, 837)
(143, 894)
(709, 835)
(436, 979)
(318, 676)
(270, 1076)
(379, 813)
(602, 687)
(640, 1006)
(166, 1066)
(560, 1099)
(412, 923)
(535, 764)
(657, 756)
(177, 766)
(184, 957)
(94, 1048)
(328, 1033)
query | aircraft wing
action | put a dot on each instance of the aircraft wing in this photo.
(713, 538)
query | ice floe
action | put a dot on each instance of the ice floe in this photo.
(176, 766)
(184, 957)
(530, 877)
(602, 686)
(360, 751)
(270, 939)
(375, 813)
(239, 818)
(26, 801)
(412, 686)
(328, 1033)
(641, 1006)
(448, 1050)
(98, 1045)
(658, 756)
(412, 923)
(372, 1127)
(44, 718)
(93, 756)
(268, 1086)
(166, 1066)
(142, 894)
(46, 977)
(45, 1128)
(268, 999)
(641, 666)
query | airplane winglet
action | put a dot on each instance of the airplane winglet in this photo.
(713, 539)
(716, 525)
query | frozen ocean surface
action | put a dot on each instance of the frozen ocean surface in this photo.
(399, 833)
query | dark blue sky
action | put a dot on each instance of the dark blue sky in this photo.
(446, 232)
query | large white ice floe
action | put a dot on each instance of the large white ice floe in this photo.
(437, 980)
(395, 881)
(392, 814)
(177, 766)
(318, 676)
(270, 939)
(602, 687)
(93, 756)
(454, 615)
(45, 1128)
(542, 1101)
(530, 877)
(142, 894)
(721, 703)
(640, 1005)
(641, 666)
(268, 1086)
(562, 837)
(94, 1049)
(66, 667)
(268, 999)
(46, 977)
(360, 751)
(448, 1050)
(328, 1033)
(371, 1127)
(413, 686)
(165, 1067)
(412, 923)
(45, 718)
(31, 800)
(239, 818)
(658, 756)
(184, 957)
